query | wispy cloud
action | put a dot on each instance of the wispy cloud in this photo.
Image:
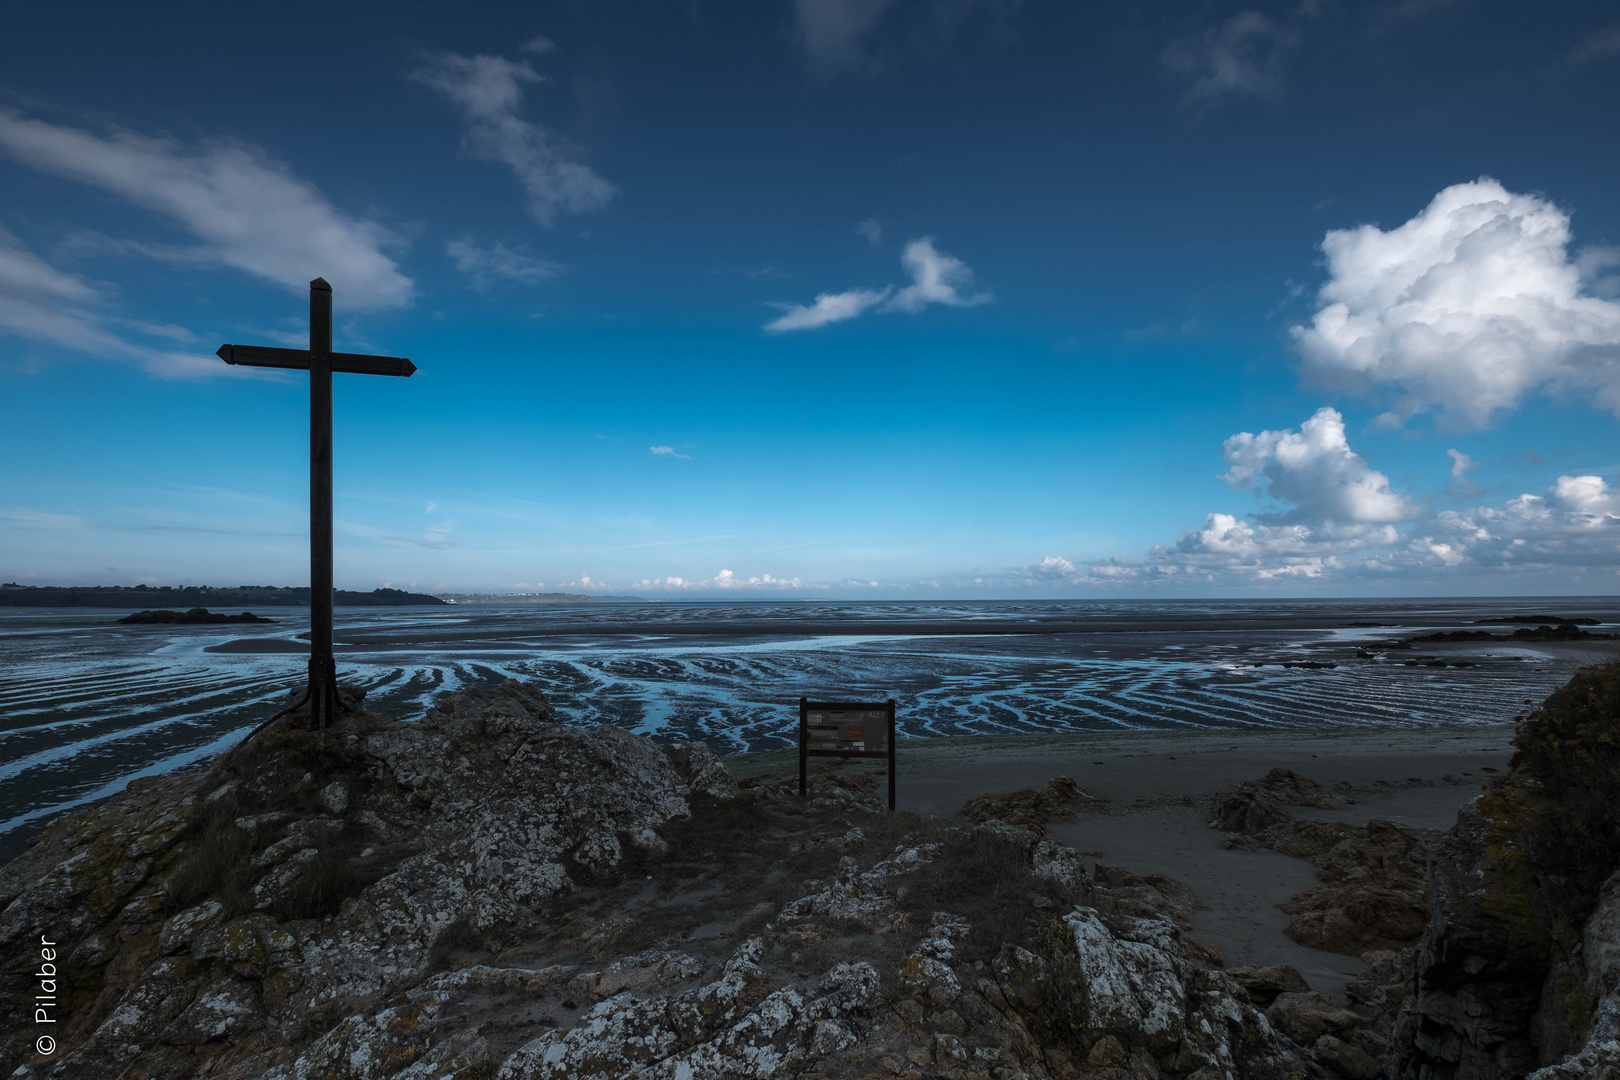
(827, 309)
(434, 538)
(1243, 54)
(936, 278)
(831, 31)
(489, 92)
(669, 451)
(248, 210)
(1460, 484)
(39, 519)
(484, 266)
(872, 229)
(41, 303)
(839, 35)
(1600, 44)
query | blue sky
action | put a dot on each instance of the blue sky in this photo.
(836, 298)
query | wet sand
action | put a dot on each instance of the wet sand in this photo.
(1158, 785)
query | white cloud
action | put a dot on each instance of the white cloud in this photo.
(828, 308)
(935, 279)
(1053, 568)
(831, 30)
(1355, 527)
(1460, 484)
(1244, 54)
(1465, 308)
(1597, 45)
(249, 210)
(540, 45)
(1575, 523)
(725, 579)
(485, 266)
(1315, 470)
(669, 451)
(872, 229)
(489, 90)
(39, 302)
(1460, 464)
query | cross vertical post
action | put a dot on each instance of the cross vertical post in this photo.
(320, 361)
(322, 664)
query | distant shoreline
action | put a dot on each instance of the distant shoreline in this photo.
(239, 596)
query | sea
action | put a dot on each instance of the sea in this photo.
(86, 704)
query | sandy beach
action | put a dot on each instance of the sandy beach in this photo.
(1156, 788)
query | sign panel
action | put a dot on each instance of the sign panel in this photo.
(846, 729)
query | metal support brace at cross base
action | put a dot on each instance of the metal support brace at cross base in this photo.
(845, 729)
(320, 361)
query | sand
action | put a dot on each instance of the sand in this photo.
(1158, 787)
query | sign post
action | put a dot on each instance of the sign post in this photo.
(320, 361)
(845, 729)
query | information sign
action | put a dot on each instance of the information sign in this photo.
(845, 729)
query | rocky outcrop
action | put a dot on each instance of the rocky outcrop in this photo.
(1373, 891)
(308, 873)
(1519, 964)
(485, 892)
(1029, 808)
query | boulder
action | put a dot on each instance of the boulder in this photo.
(1030, 808)
(1305, 1016)
(1263, 984)
(1344, 1059)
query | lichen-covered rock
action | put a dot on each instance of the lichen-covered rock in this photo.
(473, 818)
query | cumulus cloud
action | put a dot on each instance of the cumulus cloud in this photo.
(1343, 522)
(936, 278)
(248, 210)
(669, 451)
(1315, 470)
(484, 266)
(1243, 54)
(1465, 308)
(489, 91)
(828, 308)
(41, 303)
(1574, 524)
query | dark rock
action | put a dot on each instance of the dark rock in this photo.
(1511, 973)
(1032, 808)
(1305, 1016)
(1344, 1059)
(1255, 805)
(195, 616)
(1263, 984)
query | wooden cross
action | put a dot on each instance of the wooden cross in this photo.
(320, 361)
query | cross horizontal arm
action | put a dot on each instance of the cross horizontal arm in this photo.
(298, 360)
